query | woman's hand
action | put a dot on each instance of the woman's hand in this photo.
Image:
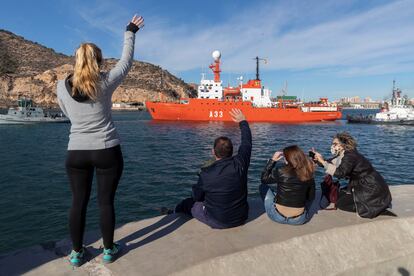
(277, 156)
(135, 24)
(318, 157)
(138, 21)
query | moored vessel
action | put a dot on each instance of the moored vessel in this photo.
(396, 111)
(214, 102)
(26, 113)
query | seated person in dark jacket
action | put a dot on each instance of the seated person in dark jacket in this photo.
(293, 200)
(367, 193)
(219, 199)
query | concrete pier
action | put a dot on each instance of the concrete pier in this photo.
(333, 243)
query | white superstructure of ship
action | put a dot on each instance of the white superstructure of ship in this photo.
(396, 109)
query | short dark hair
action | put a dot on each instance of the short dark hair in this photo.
(223, 147)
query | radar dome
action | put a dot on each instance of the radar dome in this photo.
(216, 55)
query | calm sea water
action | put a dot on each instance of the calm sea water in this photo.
(161, 161)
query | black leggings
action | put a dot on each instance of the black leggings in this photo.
(80, 166)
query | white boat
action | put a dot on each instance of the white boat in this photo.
(26, 113)
(395, 111)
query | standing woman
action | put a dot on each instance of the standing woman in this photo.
(367, 193)
(85, 98)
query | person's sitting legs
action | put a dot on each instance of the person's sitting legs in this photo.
(185, 206)
(199, 212)
(268, 197)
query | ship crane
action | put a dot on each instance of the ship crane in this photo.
(257, 65)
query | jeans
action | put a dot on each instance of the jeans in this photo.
(197, 210)
(311, 207)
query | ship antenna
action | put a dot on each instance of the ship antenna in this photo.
(257, 66)
(393, 89)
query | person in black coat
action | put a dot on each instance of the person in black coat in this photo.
(219, 199)
(367, 192)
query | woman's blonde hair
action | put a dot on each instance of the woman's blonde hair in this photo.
(347, 141)
(85, 80)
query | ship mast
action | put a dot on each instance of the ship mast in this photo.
(216, 66)
(257, 66)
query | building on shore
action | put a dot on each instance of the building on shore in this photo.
(128, 106)
(357, 103)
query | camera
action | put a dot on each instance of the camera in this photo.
(312, 154)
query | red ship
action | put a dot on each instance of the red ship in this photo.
(215, 101)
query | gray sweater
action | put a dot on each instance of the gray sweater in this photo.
(92, 126)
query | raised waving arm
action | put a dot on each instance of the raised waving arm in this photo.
(245, 149)
(121, 69)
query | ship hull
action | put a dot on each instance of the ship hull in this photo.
(5, 119)
(366, 120)
(214, 110)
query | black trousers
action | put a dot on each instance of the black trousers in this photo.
(185, 206)
(346, 201)
(80, 167)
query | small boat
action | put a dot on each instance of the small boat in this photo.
(394, 112)
(26, 113)
(372, 120)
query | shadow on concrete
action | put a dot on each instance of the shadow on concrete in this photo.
(169, 224)
(166, 225)
(27, 259)
(403, 271)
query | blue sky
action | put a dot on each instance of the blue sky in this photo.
(333, 48)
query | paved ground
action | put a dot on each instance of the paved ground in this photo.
(334, 242)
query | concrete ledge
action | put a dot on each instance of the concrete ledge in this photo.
(347, 249)
(333, 242)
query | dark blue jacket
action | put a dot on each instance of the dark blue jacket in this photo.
(223, 185)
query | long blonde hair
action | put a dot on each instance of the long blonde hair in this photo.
(85, 80)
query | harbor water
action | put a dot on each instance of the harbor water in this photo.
(161, 163)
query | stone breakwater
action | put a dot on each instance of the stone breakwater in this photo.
(333, 243)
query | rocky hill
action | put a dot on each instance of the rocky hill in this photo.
(30, 69)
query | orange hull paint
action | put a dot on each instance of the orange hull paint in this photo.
(214, 110)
